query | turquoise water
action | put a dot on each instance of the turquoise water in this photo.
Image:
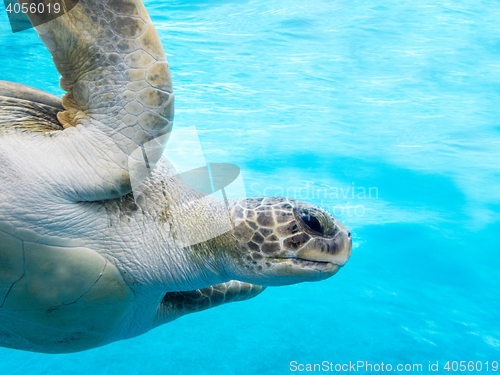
(398, 101)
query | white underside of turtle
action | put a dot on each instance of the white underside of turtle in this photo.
(83, 260)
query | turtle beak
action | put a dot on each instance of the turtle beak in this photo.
(319, 259)
(336, 250)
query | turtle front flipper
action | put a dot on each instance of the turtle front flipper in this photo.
(176, 304)
(25, 108)
(119, 103)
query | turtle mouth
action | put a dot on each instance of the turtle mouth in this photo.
(322, 266)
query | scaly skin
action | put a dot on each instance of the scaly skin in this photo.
(140, 240)
(119, 95)
(177, 304)
(84, 262)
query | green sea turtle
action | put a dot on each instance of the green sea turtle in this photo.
(85, 262)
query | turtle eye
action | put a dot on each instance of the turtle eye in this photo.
(310, 221)
(315, 222)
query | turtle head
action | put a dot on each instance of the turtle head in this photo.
(281, 241)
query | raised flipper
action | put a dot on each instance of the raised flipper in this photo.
(118, 110)
(176, 304)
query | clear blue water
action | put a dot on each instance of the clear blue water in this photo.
(402, 97)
